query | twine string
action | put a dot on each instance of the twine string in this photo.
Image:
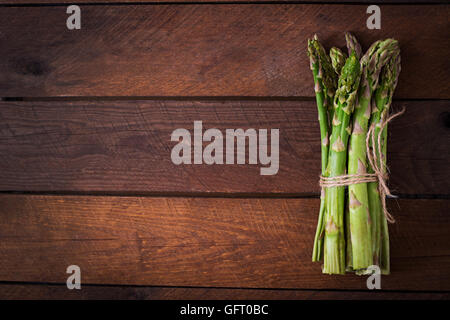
(376, 161)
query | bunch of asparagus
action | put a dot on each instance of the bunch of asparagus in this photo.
(352, 93)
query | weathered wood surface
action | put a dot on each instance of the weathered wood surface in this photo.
(57, 292)
(125, 146)
(12, 2)
(259, 243)
(206, 50)
(112, 2)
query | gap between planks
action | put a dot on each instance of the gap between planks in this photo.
(188, 98)
(59, 291)
(217, 195)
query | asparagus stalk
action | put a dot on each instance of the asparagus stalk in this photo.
(383, 101)
(344, 102)
(337, 59)
(363, 223)
(324, 85)
(329, 79)
(348, 239)
(353, 45)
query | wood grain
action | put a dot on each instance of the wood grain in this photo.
(206, 50)
(209, 1)
(251, 243)
(57, 292)
(125, 147)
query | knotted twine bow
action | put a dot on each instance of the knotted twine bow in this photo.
(374, 155)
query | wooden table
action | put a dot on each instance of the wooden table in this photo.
(86, 176)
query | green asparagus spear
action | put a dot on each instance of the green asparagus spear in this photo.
(344, 103)
(383, 101)
(337, 59)
(363, 223)
(324, 84)
(348, 238)
(327, 75)
(353, 45)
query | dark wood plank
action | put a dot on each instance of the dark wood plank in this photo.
(51, 292)
(252, 243)
(124, 146)
(206, 50)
